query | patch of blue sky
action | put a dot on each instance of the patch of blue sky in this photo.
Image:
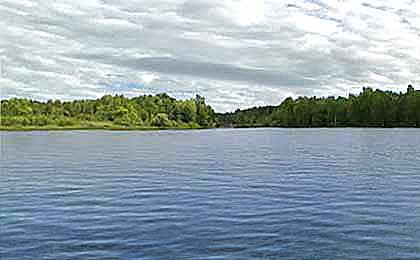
(146, 89)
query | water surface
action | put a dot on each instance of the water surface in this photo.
(211, 194)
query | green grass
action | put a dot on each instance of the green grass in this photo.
(91, 125)
(111, 128)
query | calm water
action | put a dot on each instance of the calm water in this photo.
(211, 194)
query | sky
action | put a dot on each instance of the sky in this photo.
(235, 53)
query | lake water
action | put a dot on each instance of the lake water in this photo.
(211, 194)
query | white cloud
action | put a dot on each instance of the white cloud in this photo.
(245, 12)
(114, 22)
(148, 78)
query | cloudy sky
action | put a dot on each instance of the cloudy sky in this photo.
(236, 53)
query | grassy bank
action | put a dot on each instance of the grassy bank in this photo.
(69, 128)
(91, 126)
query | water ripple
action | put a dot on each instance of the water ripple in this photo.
(211, 194)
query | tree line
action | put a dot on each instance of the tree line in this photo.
(370, 108)
(144, 111)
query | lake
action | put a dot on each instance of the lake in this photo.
(211, 194)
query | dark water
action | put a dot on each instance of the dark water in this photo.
(212, 194)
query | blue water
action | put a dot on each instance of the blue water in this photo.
(211, 194)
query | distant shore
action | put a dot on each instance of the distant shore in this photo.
(369, 109)
(72, 128)
(122, 128)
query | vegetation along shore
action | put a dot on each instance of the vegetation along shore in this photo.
(370, 108)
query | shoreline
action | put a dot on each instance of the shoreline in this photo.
(122, 128)
(110, 128)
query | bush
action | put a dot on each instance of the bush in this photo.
(65, 121)
(15, 121)
(40, 120)
(162, 120)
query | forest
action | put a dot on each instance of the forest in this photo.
(160, 111)
(370, 108)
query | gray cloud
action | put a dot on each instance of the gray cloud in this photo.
(207, 70)
(237, 53)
